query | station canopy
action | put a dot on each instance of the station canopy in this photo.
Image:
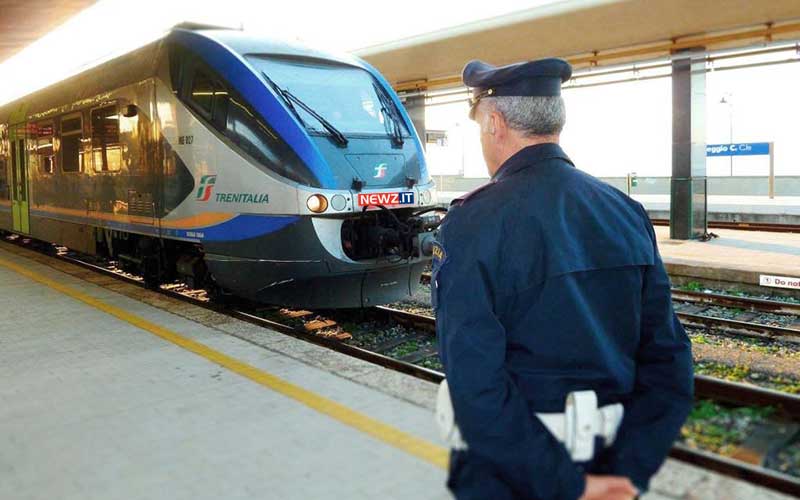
(22, 22)
(586, 33)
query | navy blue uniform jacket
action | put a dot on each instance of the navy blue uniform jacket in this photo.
(547, 281)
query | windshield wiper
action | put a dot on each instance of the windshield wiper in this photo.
(291, 99)
(393, 125)
(288, 101)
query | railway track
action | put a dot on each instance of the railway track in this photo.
(705, 307)
(743, 226)
(741, 327)
(725, 300)
(706, 387)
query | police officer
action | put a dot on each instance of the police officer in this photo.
(569, 374)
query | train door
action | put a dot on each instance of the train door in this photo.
(19, 179)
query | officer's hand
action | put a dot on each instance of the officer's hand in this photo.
(608, 488)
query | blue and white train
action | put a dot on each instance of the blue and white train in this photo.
(238, 163)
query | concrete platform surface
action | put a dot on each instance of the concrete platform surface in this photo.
(94, 407)
(125, 394)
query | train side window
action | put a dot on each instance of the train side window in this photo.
(5, 193)
(71, 136)
(44, 147)
(249, 133)
(203, 90)
(177, 59)
(106, 154)
(5, 151)
(209, 97)
(226, 111)
(258, 140)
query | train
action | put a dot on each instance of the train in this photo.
(248, 166)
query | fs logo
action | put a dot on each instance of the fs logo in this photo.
(380, 171)
(206, 186)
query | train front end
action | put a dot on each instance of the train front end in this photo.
(353, 198)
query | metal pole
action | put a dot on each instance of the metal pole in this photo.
(771, 170)
(688, 213)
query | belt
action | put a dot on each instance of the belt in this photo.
(576, 428)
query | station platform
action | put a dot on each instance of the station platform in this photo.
(105, 397)
(778, 210)
(780, 205)
(736, 259)
(111, 391)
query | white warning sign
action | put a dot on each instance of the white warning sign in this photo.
(780, 281)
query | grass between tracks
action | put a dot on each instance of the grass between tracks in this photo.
(714, 427)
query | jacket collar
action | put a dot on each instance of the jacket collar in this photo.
(528, 157)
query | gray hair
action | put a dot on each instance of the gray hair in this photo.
(531, 115)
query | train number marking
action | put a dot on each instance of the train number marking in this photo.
(185, 139)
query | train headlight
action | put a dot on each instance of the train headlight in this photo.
(317, 203)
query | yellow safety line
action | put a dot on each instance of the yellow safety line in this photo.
(412, 445)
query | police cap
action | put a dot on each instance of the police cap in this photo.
(534, 78)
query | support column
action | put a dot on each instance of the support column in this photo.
(771, 170)
(688, 197)
(416, 111)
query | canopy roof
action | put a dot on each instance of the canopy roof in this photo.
(586, 32)
(22, 22)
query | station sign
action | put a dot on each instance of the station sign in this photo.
(779, 281)
(738, 149)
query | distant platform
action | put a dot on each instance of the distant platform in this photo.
(778, 210)
(736, 259)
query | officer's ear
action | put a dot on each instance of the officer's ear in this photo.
(497, 123)
(492, 122)
(487, 124)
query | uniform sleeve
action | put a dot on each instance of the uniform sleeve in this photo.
(491, 412)
(664, 387)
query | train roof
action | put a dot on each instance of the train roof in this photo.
(140, 63)
(247, 43)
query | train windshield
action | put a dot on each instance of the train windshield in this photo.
(346, 96)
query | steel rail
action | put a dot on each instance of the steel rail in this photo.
(741, 328)
(752, 474)
(725, 300)
(292, 331)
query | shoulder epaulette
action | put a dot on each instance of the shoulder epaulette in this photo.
(462, 199)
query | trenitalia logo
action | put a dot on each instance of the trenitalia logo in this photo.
(206, 186)
(380, 171)
(404, 198)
